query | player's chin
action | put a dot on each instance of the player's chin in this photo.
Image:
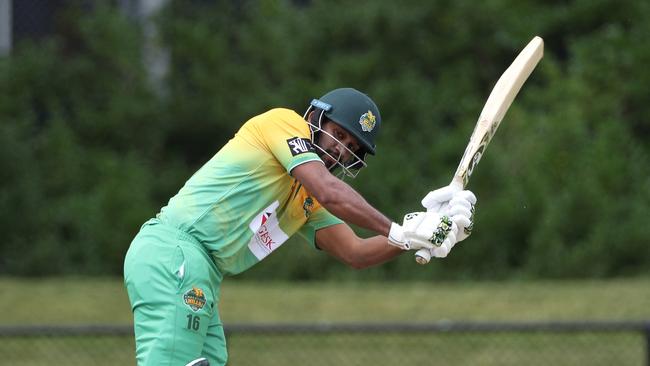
(329, 162)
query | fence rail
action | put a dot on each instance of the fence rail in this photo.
(444, 342)
(435, 327)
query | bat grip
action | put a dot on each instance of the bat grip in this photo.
(423, 256)
(457, 183)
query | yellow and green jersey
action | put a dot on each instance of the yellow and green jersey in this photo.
(243, 203)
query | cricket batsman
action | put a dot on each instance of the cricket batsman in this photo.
(277, 177)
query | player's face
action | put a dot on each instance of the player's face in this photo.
(338, 143)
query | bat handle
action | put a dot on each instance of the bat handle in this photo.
(423, 256)
(457, 183)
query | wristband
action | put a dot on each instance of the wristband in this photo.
(396, 237)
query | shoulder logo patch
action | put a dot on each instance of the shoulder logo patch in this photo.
(367, 121)
(298, 145)
(194, 298)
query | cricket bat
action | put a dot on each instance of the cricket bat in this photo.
(495, 108)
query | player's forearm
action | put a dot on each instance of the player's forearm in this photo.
(348, 205)
(339, 198)
(374, 251)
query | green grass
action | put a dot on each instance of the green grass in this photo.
(63, 301)
(101, 301)
(47, 351)
(104, 301)
(503, 349)
(378, 302)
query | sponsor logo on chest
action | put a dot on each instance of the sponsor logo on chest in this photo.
(268, 236)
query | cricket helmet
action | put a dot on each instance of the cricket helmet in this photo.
(355, 112)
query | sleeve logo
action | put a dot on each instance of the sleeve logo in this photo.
(299, 145)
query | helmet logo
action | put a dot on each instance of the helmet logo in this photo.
(367, 121)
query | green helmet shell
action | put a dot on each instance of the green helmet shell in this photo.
(355, 112)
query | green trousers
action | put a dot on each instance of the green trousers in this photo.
(173, 287)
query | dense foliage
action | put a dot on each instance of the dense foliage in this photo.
(91, 146)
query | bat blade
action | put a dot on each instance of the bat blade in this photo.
(496, 106)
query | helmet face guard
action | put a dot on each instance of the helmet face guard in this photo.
(353, 111)
(342, 169)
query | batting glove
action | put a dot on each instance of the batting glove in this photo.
(428, 230)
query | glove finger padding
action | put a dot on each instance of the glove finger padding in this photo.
(460, 202)
(465, 231)
(462, 221)
(466, 195)
(416, 243)
(435, 200)
(460, 210)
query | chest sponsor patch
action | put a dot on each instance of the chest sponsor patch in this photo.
(298, 145)
(268, 236)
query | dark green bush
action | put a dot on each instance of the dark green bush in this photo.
(90, 147)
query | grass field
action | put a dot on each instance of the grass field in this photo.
(103, 301)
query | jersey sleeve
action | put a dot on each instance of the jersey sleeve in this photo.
(320, 218)
(286, 135)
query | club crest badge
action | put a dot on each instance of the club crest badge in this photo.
(367, 121)
(194, 298)
(308, 206)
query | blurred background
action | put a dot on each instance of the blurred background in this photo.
(107, 107)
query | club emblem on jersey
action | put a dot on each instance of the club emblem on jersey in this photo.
(194, 298)
(299, 145)
(367, 121)
(308, 206)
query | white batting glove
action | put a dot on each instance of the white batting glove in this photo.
(459, 206)
(397, 235)
(438, 199)
(424, 230)
(461, 209)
